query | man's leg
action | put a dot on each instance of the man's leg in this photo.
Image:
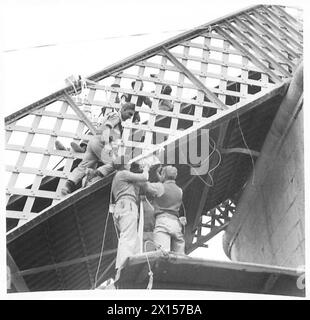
(161, 233)
(177, 237)
(178, 243)
(90, 160)
(106, 169)
(126, 214)
(162, 239)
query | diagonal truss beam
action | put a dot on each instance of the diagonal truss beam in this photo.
(203, 239)
(288, 16)
(246, 52)
(80, 113)
(270, 46)
(257, 49)
(209, 94)
(270, 35)
(283, 22)
(281, 31)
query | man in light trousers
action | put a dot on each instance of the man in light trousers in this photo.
(125, 188)
(167, 202)
(96, 148)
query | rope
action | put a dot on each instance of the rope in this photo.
(215, 167)
(102, 246)
(244, 141)
(104, 233)
(184, 211)
(243, 138)
(150, 273)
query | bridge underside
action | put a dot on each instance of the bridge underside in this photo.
(60, 249)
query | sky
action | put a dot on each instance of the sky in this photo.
(44, 42)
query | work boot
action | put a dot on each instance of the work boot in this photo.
(78, 148)
(59, 145)
(68, 188)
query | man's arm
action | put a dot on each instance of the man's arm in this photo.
(112, 120)
(155, 189)
(136, 177)
(148, 101)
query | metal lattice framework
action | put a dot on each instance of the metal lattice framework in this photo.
(213, 70)
(213, 222)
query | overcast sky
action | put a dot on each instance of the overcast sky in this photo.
(46, 41)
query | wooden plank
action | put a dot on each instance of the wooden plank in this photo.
(47, 132)
(284, 23)
(156, 95)
(81, 114)
(38, 172)
(269, 45)
(53, 114)
(61, 153)
(31, 193)
(210, 48)
(255, 60)
(258, 50)
(288, 16)
(209, 94)
(291, 40)
(20, 215)
(214, 75)
(194, 58)
(274, 39)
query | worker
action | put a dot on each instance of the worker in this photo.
(140, 101)
(98, 147)
(164, 104)
(81, 147)
(147, 193)
(167, 201)
(125, 189)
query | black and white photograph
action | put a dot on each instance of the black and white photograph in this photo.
(155, 146)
